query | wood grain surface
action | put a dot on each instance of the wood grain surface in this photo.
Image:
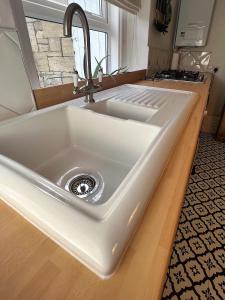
(48, 96)
(32, 267)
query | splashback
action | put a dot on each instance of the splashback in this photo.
(16, 96)
(197, 61)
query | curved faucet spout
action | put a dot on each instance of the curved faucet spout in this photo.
(72, 9)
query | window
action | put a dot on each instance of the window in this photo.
(54, 54)
(98, 49)
(94, 6)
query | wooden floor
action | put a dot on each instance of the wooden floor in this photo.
(33, 267)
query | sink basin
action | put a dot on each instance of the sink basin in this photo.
(84, 175)
(122, 110)
(64, 143)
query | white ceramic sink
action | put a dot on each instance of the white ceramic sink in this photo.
(122, 110)
(85, 175)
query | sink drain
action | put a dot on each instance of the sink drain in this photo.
(82, 185)
(85, 184)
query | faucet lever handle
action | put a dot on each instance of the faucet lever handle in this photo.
(100, 75)
(75, 78)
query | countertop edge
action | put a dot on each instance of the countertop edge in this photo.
(143, 270)
(203, 97)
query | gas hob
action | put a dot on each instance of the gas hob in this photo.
(180, 75)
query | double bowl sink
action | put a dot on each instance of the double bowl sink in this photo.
(83, 174)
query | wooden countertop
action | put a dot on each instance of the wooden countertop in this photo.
(33, 267)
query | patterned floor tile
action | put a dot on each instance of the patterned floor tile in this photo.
(219, 283)
(199, 226)
(197, 246)
(197, 266)
(206, 291)
(179, 278)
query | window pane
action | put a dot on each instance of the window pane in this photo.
(98, 49)
(92, 6)
(54, 54)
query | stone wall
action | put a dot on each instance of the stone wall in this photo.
(53, 53)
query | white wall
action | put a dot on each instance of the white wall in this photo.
(21, 27)
(216, 45)
(15, 91)
(161, 45)
(6, 15)
(135, 38)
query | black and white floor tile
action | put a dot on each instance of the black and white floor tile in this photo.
(197, 266)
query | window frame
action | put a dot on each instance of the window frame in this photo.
(54, 12)
(109, 23)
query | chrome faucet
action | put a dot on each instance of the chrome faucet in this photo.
(89, 88)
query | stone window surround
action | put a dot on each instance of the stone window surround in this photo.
(53, 53)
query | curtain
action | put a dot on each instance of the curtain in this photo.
(132, 6)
